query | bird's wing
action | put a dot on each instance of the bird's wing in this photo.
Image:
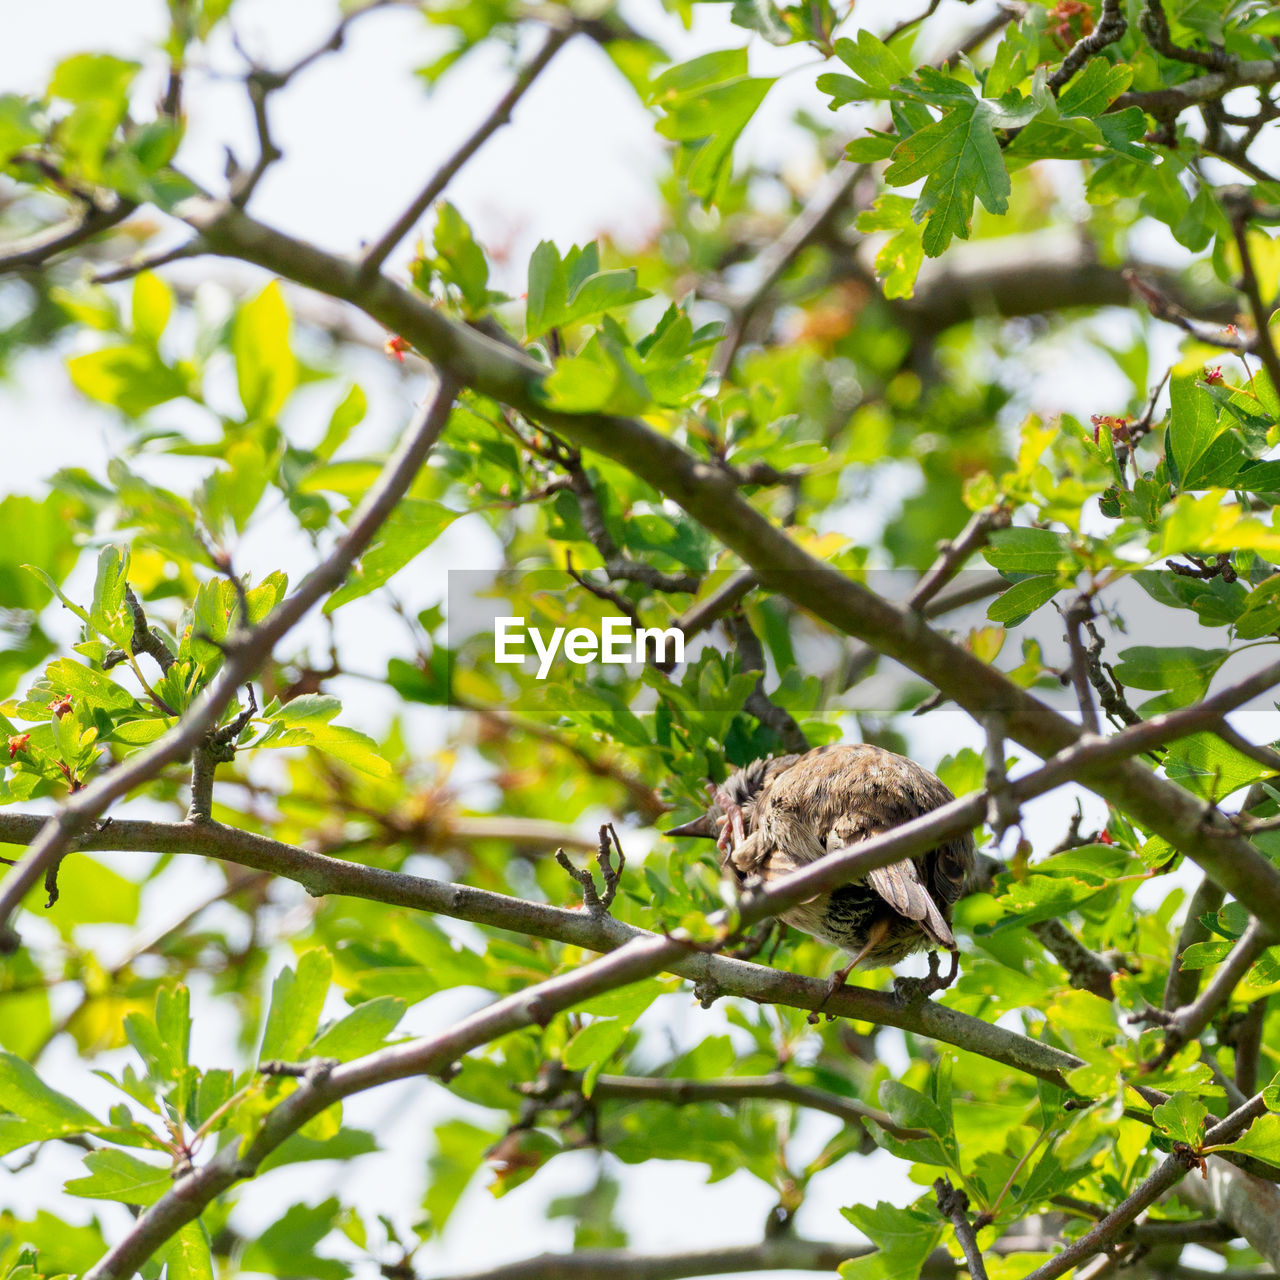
(901, 887)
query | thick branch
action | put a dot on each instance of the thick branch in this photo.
(1250, 1205)
(1085, 969)
(1182, 984)
(1163, 103)
(733, 1089)
(778, 1253)
(243, 658)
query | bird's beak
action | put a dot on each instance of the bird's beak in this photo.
(704, 826)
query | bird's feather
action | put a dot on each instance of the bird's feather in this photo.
(901, 887)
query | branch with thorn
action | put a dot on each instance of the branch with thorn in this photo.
(598, 901)
(953, 1203)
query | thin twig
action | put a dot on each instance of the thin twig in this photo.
(953, 1203)
(1240, 208)
(698, 617)
(1075, 615)
(758, 703)
(953, 554)
(36, 249)
(733, 1089)
(1111, 27)
(376, 254)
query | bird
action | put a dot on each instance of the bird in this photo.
(776, 815)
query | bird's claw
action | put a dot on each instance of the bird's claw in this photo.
(834, 983)
(733, 830)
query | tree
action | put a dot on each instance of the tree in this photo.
(668, 437)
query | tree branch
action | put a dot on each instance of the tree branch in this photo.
(1182, 984)
(1240, 207)
(1186, 1023)
(1085, 969)
(1250, 1205)
(1170, 101)
(36, 249)
(953, 1203)
(782, 1252)
(732, 1089)
(758, 703)
(1111, 27)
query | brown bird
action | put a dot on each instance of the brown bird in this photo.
(774, 816)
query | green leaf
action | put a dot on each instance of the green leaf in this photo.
(1182, 1118)
(595, 1043)
(1094, 88)
(459, 260)
(116, 1175)
(349, 414)
(152, 306)
(17, 126)
(413, 526)
(304, 721)
(898, 260)
(904, 1238)
(266, 371)
(1185, 671)
(131, 377)
(1020, 550)
(574, 290)
(93, 79)
(53, 1114)
(707, 103)
(1262, 1140)
(1016, 605)
(958, 157)
(296, 1001)
(187, 1256)
(1211, 768)
(877, 67)
(362, 1031)
(287, 1246)
(1203, 454)
(92, 688)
